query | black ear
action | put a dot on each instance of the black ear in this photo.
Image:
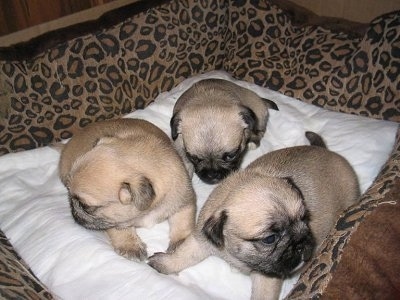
(213, 229)
(249, 117)
(294, 186)
(174, 124)
(270, 104)
(142, 196)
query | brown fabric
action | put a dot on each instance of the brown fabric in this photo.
(301, 16)
(370, 266)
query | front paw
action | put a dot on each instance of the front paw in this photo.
(158, 261)
(253, 145)
(173, 245)
(132, 251)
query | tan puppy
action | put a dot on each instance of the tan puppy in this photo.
(267, 219)
(124, 174)
(213, 123)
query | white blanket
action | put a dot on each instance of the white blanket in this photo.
(76, 263)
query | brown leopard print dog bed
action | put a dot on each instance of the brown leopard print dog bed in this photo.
(64, 80)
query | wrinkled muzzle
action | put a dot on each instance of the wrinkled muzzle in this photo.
(286, 258)
(86, 219)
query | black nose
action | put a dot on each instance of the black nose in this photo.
(212, 176)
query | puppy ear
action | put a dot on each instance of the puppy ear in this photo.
(213, 229)
(174, 124)
(249, 117)
(270, 104)
(103, 140)
(141, 197)
(294, 186)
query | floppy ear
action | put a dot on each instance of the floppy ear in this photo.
(294, 186)
(174, 124)
(270, 104)
(141, 196)
(213, 229)
(249, 117)
(103, 140)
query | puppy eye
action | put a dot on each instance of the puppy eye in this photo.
(269, 240)
(306, 217)
(194, 159)
(87, 208)
(229, 156)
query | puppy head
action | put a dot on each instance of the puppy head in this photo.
(214, 137)
(263, 227)
(104, 192)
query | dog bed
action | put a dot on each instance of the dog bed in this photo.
(76, 263)
(58, 83)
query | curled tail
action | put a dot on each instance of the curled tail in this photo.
(315, 139)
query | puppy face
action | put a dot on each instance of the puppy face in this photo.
(275, 239)
(214, 145)
(104, 193)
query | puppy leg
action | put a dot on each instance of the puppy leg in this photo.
(181, 224)
(187, 254)
(127, 243)
(255, 138)
(180, 147)
(263, 287)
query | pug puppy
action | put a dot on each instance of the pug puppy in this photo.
(268, 219)
(124, 174)
(213, 124)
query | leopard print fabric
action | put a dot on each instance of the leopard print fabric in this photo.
(332, 70)
(17, 281)
(106, 74)
(110, 72)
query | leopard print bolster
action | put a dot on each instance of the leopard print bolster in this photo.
(114, 70)
(331, 69)
(16, 279)
(106, 73)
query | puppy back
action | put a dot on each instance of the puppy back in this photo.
(326, 179)
(86, 139)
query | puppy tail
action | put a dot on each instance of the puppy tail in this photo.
(315, 139)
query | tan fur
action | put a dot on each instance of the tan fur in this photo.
(129, 175)
(252, 200)
(215, 117)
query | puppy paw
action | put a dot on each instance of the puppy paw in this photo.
(252, 146)
(173, 245)
(132, 251)
(158, 261)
